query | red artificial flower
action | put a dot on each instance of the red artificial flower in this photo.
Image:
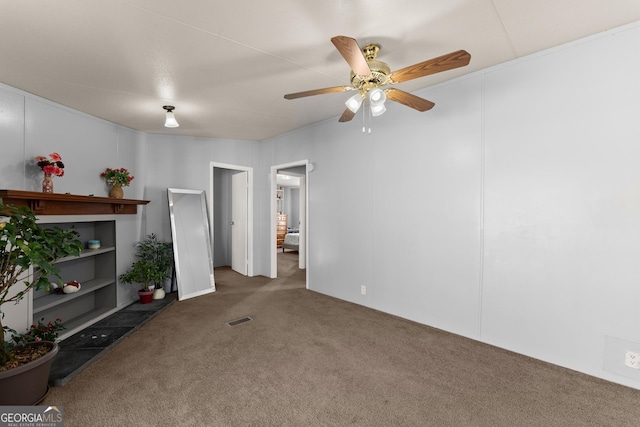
(52, 165)
(118, 176)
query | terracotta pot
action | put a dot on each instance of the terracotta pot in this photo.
(116, 192)
(145, 296)
(27, 384)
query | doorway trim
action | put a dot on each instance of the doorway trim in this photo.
(249, 170)
(272, 218)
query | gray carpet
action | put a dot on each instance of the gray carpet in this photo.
(310, 360)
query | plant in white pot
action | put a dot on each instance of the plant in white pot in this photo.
(24, 244)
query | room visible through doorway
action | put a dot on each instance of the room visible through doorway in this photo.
(289, 185)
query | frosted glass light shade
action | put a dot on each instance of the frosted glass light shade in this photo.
(171, 122)
(354, 102)
(376, 110)
(377, 97)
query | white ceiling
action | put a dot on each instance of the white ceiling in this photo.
(225, 65)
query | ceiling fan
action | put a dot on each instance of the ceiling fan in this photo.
(369, 76)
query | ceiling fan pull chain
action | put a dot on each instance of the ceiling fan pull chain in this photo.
(369, 116)
(363, 115)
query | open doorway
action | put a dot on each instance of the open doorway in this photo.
(289, 216)
(231, 217)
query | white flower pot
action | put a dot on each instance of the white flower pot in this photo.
(158, 293)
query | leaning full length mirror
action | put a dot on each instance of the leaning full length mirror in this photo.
(191, 242)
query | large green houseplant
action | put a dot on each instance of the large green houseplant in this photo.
(24, 243)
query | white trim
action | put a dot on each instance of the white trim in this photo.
(273, 253)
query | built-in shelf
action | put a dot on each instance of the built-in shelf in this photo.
(94, 269)
(69, 204)
(53, 299)
(86, 253)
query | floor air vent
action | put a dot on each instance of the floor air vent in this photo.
(239, 321)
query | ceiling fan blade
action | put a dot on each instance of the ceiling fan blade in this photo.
(409, 100)
(350, 51)
(318, 92)
(346, 116)
(446, 62)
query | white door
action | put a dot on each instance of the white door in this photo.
(239, 222)
(302, 250)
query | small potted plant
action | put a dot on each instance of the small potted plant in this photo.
(151, 268)
(117, 178)
(24, 244)
(144, 273)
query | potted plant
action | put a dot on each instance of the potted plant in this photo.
(117, 178)
(24, 244)
(143, 273)
(160, 253)
(152, 267)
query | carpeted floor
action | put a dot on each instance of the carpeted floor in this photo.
(306, 359)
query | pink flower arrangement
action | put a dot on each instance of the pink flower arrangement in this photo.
(119, 176)
(39, 332)
(52, 165)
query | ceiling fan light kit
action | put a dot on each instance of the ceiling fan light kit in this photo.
(368, 76)
(170, 120)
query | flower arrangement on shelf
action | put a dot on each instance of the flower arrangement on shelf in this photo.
(120, 176)
(51, 165)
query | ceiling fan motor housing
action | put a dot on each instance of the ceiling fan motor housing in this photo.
(379, 76)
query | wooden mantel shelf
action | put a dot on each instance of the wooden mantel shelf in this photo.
(69, 204)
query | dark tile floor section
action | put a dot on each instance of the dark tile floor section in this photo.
(85, 347)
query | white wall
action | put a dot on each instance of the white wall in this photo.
(510, 213)
(562, 206)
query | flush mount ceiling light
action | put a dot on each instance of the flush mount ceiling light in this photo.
(170, 122)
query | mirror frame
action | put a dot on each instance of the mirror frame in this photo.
(181, 262)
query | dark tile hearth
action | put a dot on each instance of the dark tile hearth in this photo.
(85, 347)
